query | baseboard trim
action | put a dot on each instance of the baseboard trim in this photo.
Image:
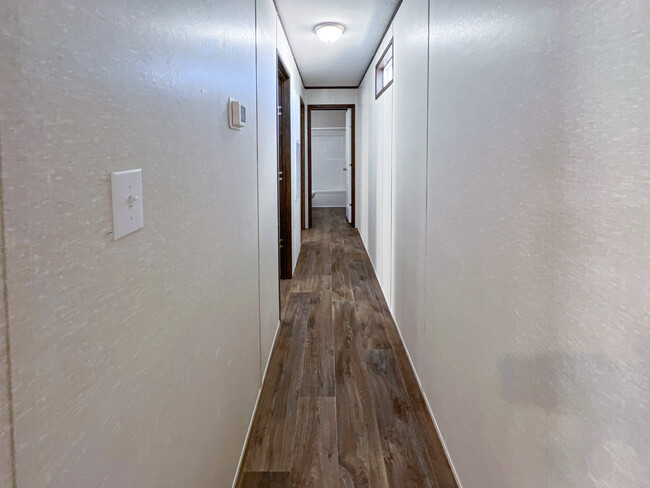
(257, 401)
(417, 376)
(426, 400)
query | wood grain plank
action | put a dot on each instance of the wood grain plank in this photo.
(317, 377)
(361, 462)
(257, 479)
(285, 289)
(315, 462)
(322, 384)
(341, 286)
(367, 307)
(425, 424)
(406, 459)
(428, 435)
(304, 272)
(322, 260)
(272, 436)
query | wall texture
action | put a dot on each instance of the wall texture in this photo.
(410, 94)
(267, 170)
(135, 362)
(531, 339)
(328, 118)
(375, 173)
(538, 258)
(271, 40)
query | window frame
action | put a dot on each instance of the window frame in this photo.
(379, 70)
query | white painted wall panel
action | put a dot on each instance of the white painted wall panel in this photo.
(135, 362)
(536, 201)
(375, 172)
(537, 274)
(267, 169)
(317, 96)
(410, 93)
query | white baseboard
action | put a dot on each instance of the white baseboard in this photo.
(257, 400)
(426, 400)
(417, 377)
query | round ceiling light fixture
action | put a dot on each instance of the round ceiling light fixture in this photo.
(329, 32)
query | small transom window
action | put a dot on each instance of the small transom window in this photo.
(384, 71)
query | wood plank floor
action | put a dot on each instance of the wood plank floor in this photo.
(340, 406)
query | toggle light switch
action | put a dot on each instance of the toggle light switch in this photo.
(126, 187)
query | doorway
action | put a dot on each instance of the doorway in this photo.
(331, 158)
(284, 173)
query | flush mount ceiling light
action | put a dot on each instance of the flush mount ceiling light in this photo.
(329, 32)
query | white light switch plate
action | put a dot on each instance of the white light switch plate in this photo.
(126, 187)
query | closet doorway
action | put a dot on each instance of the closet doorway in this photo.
(331, 165)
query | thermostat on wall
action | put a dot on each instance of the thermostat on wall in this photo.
(236, 114)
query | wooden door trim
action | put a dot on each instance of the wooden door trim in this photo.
(284, 165)
(352, 150)
(303, 223)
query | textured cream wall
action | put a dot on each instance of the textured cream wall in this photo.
(532, 338)
(409, 188)
(375, 173)
(538, 242)
(7, 50)
(271, 41)
(267, 73)
(135, 363)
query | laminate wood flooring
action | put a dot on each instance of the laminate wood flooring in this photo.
(340, 406)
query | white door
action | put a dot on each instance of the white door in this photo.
(348, 164)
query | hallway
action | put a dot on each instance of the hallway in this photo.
(340, 404)
(316, 244)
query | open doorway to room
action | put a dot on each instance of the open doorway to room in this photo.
(284, 172)
(331, 165)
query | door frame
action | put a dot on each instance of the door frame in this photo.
(352, 151)
(284, 173)
(303, 220)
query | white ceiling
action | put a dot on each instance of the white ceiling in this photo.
(342, 63)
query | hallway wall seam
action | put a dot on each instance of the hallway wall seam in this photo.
(257, 180)
(5, 299)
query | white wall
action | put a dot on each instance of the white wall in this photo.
(267, 173)
(529, 325)
(328, 118)
(375, 174)
(272, 40)
(537, 277)
(325, 96)
(409, 190)
(136, 362)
